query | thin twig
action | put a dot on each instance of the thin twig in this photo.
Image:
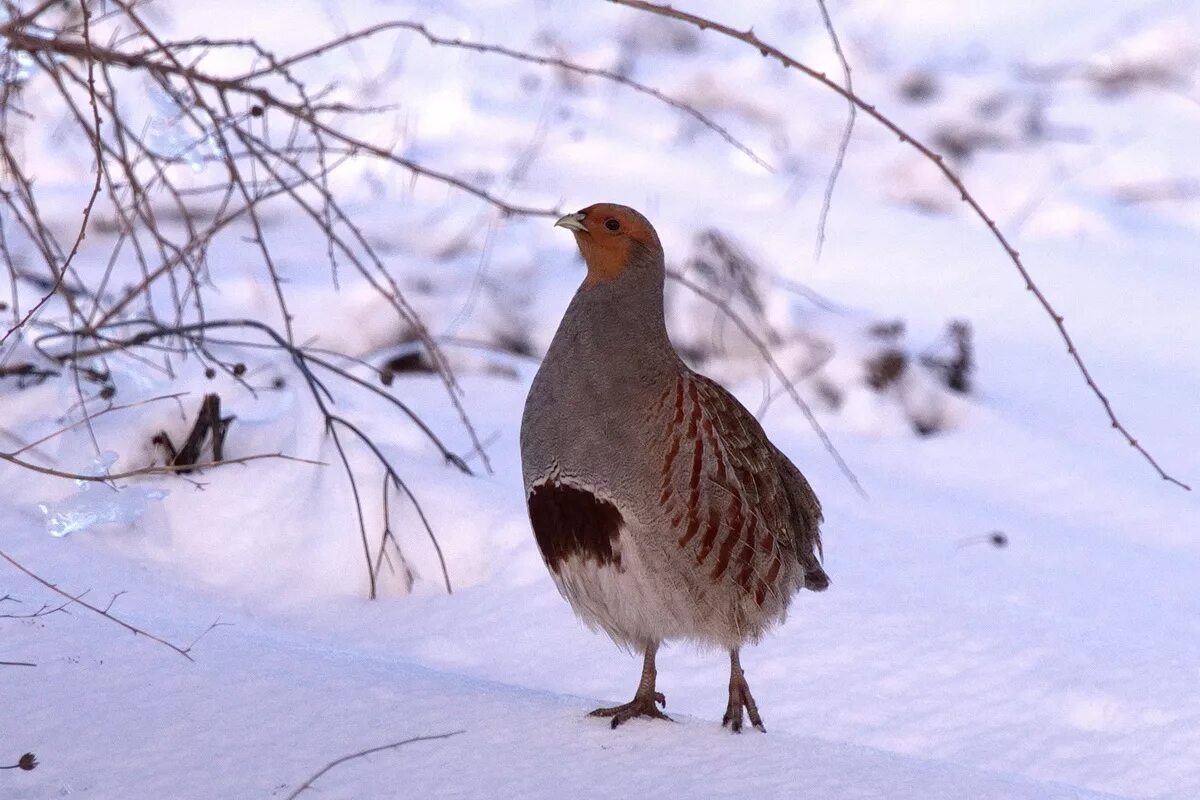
(165, 469)
(99, 413)
(45, 610)
(360, 754)
(25, 42)
(61, 273)
(530, 58)
(844, 144)
(183, 651)
(770, 51)
(28, 17)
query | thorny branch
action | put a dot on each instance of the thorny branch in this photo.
(361, 753)
(542, 61)
(162, 63)
(171, 66)
(165, 469)
(770, 51)
(91, 202)
(106, 613)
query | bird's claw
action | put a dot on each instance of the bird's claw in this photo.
(739, 699)
(734, 722)
(643, 706)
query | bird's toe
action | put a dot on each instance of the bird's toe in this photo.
(741, 704)
(638, 707)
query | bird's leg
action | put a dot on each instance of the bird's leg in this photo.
(740, 697)
(643, 702)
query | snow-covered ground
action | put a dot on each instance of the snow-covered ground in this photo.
(1064, 665)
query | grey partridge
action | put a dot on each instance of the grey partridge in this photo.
(659, 505)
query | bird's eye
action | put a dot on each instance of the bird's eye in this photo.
(612, 224)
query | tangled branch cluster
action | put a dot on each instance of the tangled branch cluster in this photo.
(274, 139)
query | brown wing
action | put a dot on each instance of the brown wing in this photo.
(724, 490)
(806, 522)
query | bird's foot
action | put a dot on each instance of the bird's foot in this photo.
(740, 698)
(639, 706)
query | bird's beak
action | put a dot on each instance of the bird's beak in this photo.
(573, 222)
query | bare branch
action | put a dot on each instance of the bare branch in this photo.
(99, 413)
(77, 599)
(770, 51)
(22, 41)
(28, 17)
(851, 115)
(225, 121)
(166, 469)
(361, 753)
(529, 58)
(44, 610)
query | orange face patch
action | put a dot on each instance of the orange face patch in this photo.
(608, 240)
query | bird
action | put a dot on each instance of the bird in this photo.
(660, 507)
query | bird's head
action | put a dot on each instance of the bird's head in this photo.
(613, 239)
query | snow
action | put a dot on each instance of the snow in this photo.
(1064, 665)
(259, 710)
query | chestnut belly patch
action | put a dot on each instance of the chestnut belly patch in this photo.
(570, 522)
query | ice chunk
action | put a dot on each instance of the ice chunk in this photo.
(97, 503)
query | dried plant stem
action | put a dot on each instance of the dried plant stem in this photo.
(361, 753)
(61, 272)
(847, 132)
(166, 469)
(529, 58)
(106, 613)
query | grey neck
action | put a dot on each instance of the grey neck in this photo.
(619, 324)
